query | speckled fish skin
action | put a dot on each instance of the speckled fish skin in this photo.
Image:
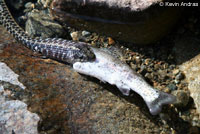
(110, 69)
(56, 48)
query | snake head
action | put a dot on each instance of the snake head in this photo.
(85, 54)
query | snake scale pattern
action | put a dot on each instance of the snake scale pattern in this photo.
(59, 49)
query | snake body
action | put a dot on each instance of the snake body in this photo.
(56, 48)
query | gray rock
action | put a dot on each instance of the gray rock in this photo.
(29, 5)
(8, 75)
(172, 87)
(85, 33)
(14, 116)
(40, 24)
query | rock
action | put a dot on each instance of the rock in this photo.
(172, 87)
(110, 41)
(182, 98)
(45, 3)
(191, 70)
(40, 24)
(75, 36)
(8, 75)
(85, 33)
(14, 116)
(179, 76)
(176, 71)
(4, 39)
(29, 5)
(118, 19)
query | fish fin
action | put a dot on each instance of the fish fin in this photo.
(156, 106)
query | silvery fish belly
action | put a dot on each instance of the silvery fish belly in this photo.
(110, 69)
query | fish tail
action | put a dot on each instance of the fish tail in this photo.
(164, 98)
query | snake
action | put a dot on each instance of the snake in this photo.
(63, 50)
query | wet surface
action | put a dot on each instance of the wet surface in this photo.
(70, 103)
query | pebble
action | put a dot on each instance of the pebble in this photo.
(172, 87)
(175, 71)
(29, 5)
(147, 61)
(182, 98)
(156, 66)
(74, 36)
(143, 69)
(133, 66)
(179, 76)
(176, 81)
(85, 33)
(172, 66)
(110, 41)
(148, 75)
(137, 59)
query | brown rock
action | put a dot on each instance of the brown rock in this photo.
(182, 98)
(71, 103)
(110, 41)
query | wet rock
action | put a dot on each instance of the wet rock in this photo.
(71, 103)
(40, 24)
(4, 39)
(191, 70)
(118, 19)
(182, 98)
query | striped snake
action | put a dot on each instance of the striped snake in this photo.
(55, 48)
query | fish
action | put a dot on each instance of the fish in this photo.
(112, 70)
